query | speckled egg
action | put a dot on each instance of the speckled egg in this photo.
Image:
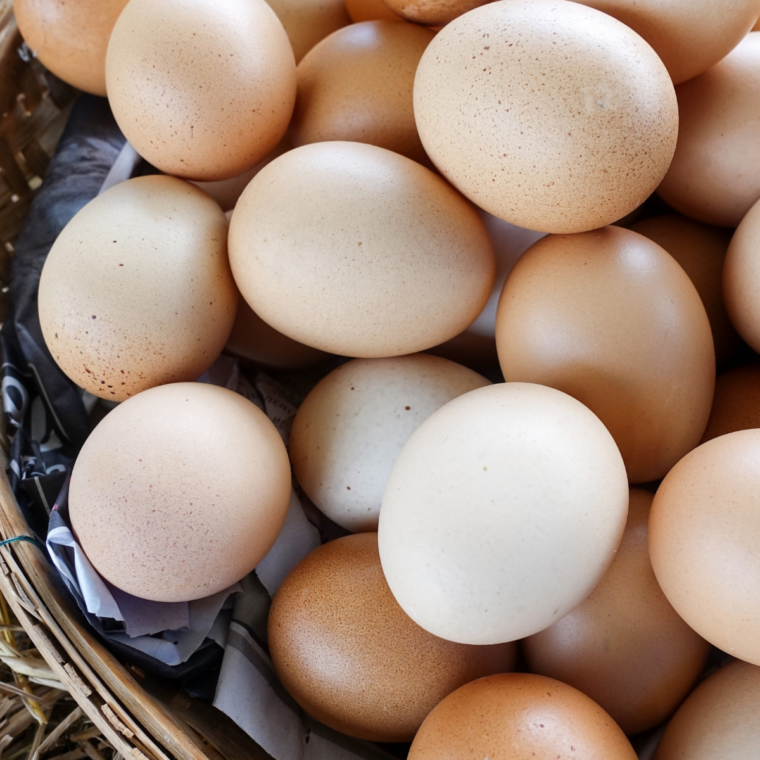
(70, 38)
(547, 114)
(349, 655)
(357, 85)
(610, 318)
(350, 429)
(179, 492)
(704, 530)
(719, 720)
(137, 289)
(624, 646)
(516, 716)
(432, 12)
(202, 90)
(736, 405)
(502, 512)
(358, 251)
(715, 173)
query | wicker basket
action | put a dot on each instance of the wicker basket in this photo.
(141, 717)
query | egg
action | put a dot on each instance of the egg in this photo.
(370, 10)
(704, 530)
(689, 36)
(350, 429)
(137, 289)
(179, 492)
(719, 720)
(715, 173)
(70, 38)
(515, 716)
(736, 405)
(610, 318)
(502, 512)
(348, 654)
(357, 85)
(355, 250)
(306, 22)
(550, 115)
(431, 12)
(202, 90)
(624, 646)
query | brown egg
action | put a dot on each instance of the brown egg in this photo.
(624, 646)
(370, 10)
(349, 655)
(719, 720)
(715, 173)
(70, 38)
(704, 531)
(741, 277)
(357, 85)
(432, 12)
(137, 290)
(736, 405)
(701, 250)
(179, 492)
(203, 91)
(254, 340)
(547, 114)
(689, 35)
(306, 22)
(358, 251)
(610, 318)
(517, 716)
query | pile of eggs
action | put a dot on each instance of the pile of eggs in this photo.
(387, 177)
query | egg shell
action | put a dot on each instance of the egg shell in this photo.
(715, 173)
(137, 289)
(202, 90)
(307, 22)
(701, 250)
(358, 251)
(689, 36)
(624, 646)
(179, 492)
(610, 318)
(357, 85)
(435, 13)
(575, 119)
(348, 654)
(515, 716)
(370, 10)
(736, 404)
(350, 429)
(719, 720)
(502, 512)
(704, 530)
(70, 38)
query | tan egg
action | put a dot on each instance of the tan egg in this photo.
(689, 36)
(370, 10)
(435, 13)
(358, 251)
(610, 318)
(517, 716)
(349, 655)
(137, 290)
(202, 90)
(70, 38)
(715, 173)
(575, 119)
(756, 27)
(741, 277)
(179, 492)
(736, 405)
(719, 720)
(704, 530)
(701, 250)
(357, 85)
(476, 346)
(350, 429)
(502, 512)
(254, 340)
(624, 646)
(306, 22)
